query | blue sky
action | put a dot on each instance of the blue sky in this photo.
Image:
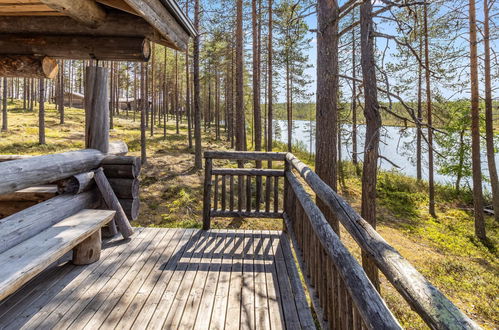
(388, 29)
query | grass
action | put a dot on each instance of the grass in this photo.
(442, 249)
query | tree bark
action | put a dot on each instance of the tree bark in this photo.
(475, 127)
(61, 94)
(188, 95)
(41, 113)
(354, 100)
(198, 164)
(153, 91)
(419, 157)
(4, 106)
(240, 143)
(256, 79)
(373, 125)
(144, 99)
(327, 100)
(429, 110)
(489, 120)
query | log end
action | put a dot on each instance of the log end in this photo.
(50, 67)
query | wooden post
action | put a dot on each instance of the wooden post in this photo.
(112, 202)
(89, 250)
(207, 194)
(97, 109)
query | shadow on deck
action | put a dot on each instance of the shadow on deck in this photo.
(169, 278)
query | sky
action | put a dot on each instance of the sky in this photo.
(387, 29)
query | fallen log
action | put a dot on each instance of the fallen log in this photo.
(125, 188)
(26, 223)
(39, 170)
(131, 207)
(112, 202)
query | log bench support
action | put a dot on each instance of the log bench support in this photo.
(88, 251)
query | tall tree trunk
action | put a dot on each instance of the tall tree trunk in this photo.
(143, 106)
(354, 100)
(289, 112)
(373, 125)
(217, 106)
(326, 159)
(419, 157)
(135, 94)
(61, 93)
(198, 164)
(32, 95)
(111, 95)
(240, 143)
(153, 90)
(41, 113)
(270, 91)
(177, 119)
(25, 94)
(489, 120)
(4, 106)
(256, 79)
(188, 97)
(165, 94)
(475, 128)
(429, 113)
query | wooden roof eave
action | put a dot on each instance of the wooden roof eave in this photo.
(172, 29)
(155, 13)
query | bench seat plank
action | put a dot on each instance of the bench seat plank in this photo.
(25, 260)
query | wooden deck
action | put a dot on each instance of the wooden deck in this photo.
(169, 278)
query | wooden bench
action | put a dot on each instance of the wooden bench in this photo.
(80, 233)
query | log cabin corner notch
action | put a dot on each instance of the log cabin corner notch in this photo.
(86, 29)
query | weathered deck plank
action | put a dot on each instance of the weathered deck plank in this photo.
(169, 278)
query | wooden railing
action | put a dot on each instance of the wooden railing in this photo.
(341, 292)
(242, 192)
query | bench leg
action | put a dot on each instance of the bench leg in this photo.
(109, 230)
(89, 250)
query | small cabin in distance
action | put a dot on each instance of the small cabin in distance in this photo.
(72, 100)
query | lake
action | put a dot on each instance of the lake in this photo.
(397, 144)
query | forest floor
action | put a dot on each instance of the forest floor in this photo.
(444, 249)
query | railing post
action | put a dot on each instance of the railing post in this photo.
(286, 200)
(207, 193)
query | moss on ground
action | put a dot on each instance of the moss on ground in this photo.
(443, 249)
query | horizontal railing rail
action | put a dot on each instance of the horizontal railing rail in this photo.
(435, 309)
(341, 292)
(347, 298)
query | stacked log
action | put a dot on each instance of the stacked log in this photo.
(122, 173)
(14, 202)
